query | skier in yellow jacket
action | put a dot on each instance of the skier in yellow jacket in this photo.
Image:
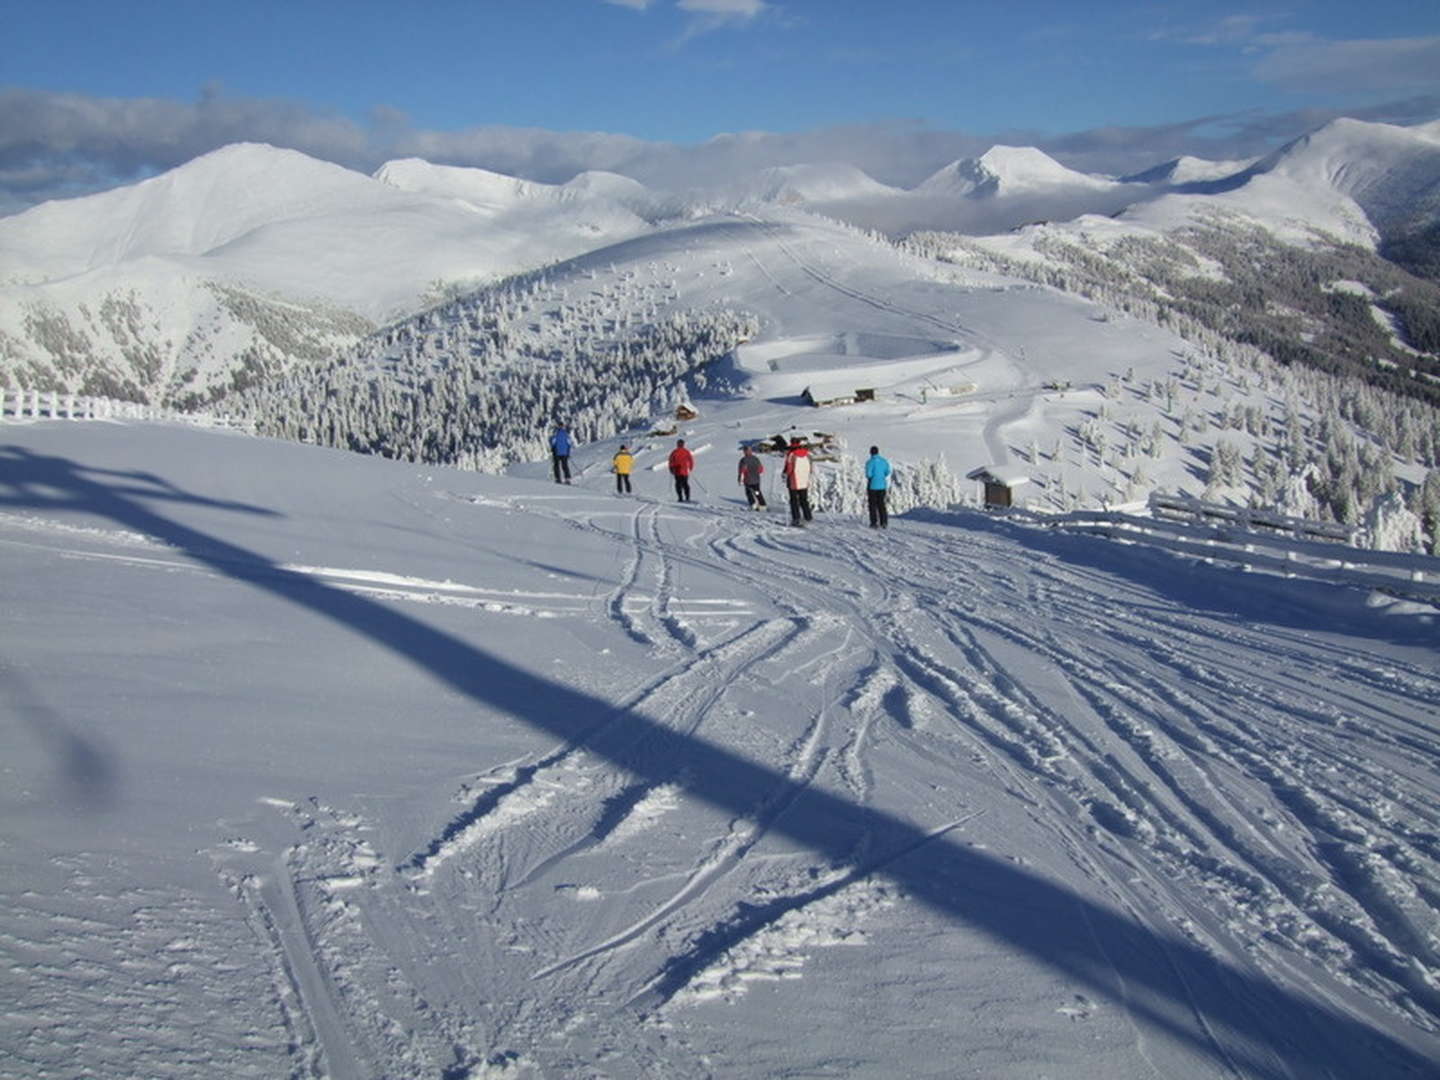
(622, 463)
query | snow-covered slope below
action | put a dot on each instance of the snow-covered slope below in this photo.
(323, 765)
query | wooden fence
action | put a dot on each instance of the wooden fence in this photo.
(1182, 508)
(1257, 540)
(53, 405)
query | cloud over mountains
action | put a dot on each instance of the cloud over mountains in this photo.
(54, 145)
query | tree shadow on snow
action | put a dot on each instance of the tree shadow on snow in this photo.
(1228, 1013)
(86, 777)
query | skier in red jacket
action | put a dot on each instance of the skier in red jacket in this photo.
(682, 464)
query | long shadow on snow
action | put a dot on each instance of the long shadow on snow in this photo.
(1227, 593)
(1236, 1016)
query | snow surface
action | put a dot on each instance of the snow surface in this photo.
(321, 765)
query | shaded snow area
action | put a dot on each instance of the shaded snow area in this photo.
(318, 765)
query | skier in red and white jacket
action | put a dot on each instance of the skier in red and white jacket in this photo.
(797, 481)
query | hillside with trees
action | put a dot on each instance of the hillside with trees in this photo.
(480, 381)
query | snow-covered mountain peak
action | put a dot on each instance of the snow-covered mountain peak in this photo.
(478, 186)
(189, 210)
(1392, 173)
(1188, 170)
(1349, 155)
(608, 184)
(1007, 170)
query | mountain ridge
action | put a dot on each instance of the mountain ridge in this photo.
(282, 228)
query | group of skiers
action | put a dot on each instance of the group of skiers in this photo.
(796, 470)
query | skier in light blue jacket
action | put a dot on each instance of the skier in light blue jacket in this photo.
(877, 483)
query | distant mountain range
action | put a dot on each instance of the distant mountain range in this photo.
(240, 264)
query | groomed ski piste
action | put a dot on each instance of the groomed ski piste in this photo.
(318, 765)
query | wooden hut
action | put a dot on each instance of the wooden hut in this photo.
(1000, 483)
(823, 396)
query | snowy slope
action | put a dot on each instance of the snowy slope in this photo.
(1356, 180)
(278, 224)
(971, 369)
(962, 367)
(322, 765)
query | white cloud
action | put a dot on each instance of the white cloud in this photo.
(705, 15)
(58, 145)
(710, 15)
(1367, 65)
(724, 9)
(1230, 30)
(1301, 60)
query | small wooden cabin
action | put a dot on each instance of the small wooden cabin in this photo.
(822, 396)
(1000, 482)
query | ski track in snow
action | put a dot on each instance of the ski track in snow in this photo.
(1200, 774)
(1144, 736)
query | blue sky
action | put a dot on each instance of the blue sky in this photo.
(93, 92)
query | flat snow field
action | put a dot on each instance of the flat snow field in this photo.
(317, 765)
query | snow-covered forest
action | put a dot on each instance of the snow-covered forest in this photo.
(480, 382)
(1315, 422)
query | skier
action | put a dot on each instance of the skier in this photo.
(751, 469)
(682, 464)
(622, 463)
(560, 453)
(797, 481)
(877, 483)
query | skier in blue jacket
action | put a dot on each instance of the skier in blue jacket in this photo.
(560, 453)
(877, 483)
